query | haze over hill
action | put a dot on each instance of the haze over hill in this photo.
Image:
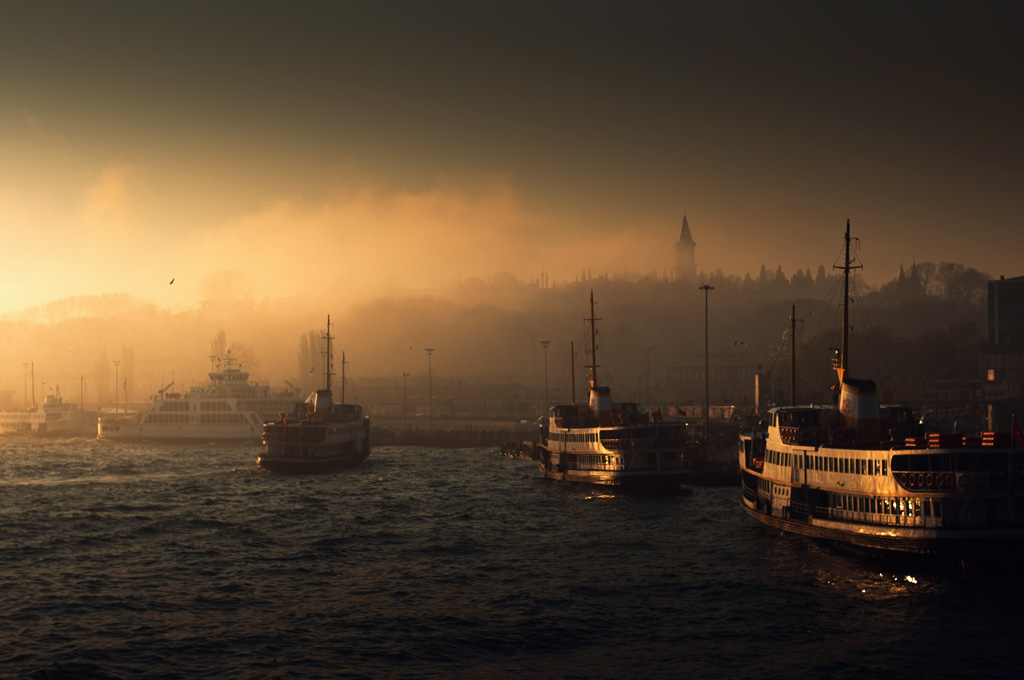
(485, 332)
(363, 149)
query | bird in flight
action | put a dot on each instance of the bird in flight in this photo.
(172, 281)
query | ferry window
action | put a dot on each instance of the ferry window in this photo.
(884, 466)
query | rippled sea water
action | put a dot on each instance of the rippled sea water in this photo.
(184, 561)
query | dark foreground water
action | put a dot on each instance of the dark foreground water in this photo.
(174, 561)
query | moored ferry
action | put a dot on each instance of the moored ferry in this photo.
(611, 444)
(858, 474)
(318, 435)
(229, 407)
(53, 417)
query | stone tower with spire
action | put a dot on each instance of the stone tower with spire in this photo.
(686, 260)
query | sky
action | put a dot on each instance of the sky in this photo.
(361, 148)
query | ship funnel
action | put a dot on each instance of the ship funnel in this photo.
(322, 401)
(858, 404)
(600, 399)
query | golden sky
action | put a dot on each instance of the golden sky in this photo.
(360, 147)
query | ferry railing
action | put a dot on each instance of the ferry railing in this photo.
(915, 520)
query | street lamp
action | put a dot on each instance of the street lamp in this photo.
(545, 344)
(945, 405)
(707, 365)
(430, 390)
(405, 401)
(117, 364)
(648, 348)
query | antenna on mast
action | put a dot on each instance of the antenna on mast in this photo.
(842, 363)
(328, 338)
(593, 342)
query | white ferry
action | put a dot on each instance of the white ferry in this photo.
(53, 417)
(318, 435)
(228, 408)
(855, 475)
(611, 444)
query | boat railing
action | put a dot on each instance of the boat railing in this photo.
(576, 465)
(907, 518)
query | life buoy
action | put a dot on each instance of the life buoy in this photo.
(929, 481)
(903, 479)
(963, 481)
(920, 479)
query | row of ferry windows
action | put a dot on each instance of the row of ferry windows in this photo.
(205, 419)
(905, 507)
(573, 437)
(849, 466)
(223, 419)
(203, 406)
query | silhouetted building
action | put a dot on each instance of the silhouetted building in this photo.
(686, 255)
(1003, 356)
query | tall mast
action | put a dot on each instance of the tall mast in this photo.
(593, 343)
(846, 306)
(343, 377)
(328, 336)
(844, 357)
(572, 370)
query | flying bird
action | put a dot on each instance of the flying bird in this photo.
(172, 281)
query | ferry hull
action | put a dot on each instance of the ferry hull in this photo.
(309, 465)
(179, 433)
(968, 544)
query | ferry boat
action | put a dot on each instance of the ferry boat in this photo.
(53, 417)
(228, 408)
(855, 474)
(318, 435)
(611, 444)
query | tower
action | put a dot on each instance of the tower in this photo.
(686, 261)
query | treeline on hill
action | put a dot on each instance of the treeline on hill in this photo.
(911, 331)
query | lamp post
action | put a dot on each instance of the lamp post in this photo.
(26, 384)
(707, 365)
(648, 348)
(945, 405)
(544, 344)
(430, 390)
(117, 364)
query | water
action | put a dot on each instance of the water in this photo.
(180, 561)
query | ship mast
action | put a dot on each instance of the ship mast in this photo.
(593, 343)
(328, 338)
(843, 362)
(572, 370)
